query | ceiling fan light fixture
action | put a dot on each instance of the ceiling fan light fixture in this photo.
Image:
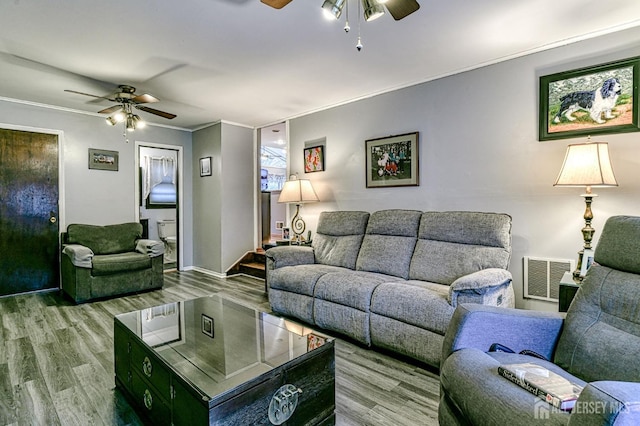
(118, 117)
(131, 124)
(111, 121)
(372, 10)
(333, 8)
(139, 123)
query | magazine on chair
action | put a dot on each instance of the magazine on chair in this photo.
(547, 385)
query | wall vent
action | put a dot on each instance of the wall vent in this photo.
(542, 277)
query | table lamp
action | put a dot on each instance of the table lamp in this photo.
(297, 191)
(588, 165)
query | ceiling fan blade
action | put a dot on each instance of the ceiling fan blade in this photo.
(277, 4)
(110, 109)
(89, 94)
(156, 112)
(145, 98)
(401, 8)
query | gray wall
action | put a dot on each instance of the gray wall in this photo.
(97, 196)
(478, 151)
(224, 202)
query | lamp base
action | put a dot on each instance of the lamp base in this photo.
(298, 226)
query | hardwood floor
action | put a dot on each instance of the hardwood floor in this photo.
(56, 361)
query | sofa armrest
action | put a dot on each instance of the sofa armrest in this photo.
(278, 257)
(607, 403)
(152, 248)
(80, 256)
(488, 286)
(479, 326)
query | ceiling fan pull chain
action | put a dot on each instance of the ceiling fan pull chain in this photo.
(359, 45)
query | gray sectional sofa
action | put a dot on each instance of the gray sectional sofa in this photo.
(393, 278)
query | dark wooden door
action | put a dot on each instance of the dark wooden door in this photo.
(28, 212)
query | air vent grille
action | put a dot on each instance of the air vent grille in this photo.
(542, 277)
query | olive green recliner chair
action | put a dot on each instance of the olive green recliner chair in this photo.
(104, 261)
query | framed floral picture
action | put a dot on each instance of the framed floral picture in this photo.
(314, 159)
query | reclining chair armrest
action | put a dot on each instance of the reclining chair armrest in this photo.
(607, 403)
(152, 248)
(278, 257)
(80, 256)
(479, 326)
(490, 286)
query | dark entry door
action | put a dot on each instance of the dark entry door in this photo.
(28, 211)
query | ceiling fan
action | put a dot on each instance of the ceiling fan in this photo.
(399, 9)
(127, 99)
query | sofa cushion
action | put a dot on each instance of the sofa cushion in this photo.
(476, 228)
(338, 237)
(107, 264)
(454, 244)
(349, 288)
(109, 239)
(389, 242)
(615, 249)
(417, 303)
(300, 279)
(469, 378)
(603, 323)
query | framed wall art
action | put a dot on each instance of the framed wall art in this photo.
(392, 161)
(205, 166)
(101, 159)
(314, 159)
(602, 99)
(207, 325)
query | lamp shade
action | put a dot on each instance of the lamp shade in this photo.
(587, 164)
(297, 191)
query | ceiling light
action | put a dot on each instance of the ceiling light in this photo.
(131, 123)
(139, 124)
(111, 121)
(119, 117)
(372, 10)
(333, 8)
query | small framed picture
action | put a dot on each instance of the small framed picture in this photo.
(101, 159)
(286, 233)
(587, 261)
(207, 325)
(279, 224)
(205, 166)
(314, 159)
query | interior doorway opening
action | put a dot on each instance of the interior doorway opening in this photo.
(158, 198)
(273, 148)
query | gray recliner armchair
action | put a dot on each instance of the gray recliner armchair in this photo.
(597, 346)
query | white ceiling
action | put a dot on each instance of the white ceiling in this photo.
(244, 62)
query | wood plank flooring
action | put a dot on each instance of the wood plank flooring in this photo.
(56, 361)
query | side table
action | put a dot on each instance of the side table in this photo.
(567, 291)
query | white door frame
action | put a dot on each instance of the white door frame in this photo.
(180, 207)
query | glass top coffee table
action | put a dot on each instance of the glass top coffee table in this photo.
(214, 361)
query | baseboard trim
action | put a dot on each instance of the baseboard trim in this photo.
(207, 271)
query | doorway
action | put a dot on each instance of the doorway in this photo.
(272, 142)
(159, 197)
(29, 225)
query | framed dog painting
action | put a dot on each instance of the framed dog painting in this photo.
(392, 161)
(590, 101)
